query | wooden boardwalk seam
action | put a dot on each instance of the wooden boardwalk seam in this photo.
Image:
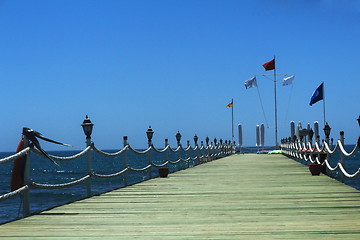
(238, 197)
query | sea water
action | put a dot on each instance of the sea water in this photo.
(45, 172)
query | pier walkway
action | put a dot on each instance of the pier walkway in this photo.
(238, 197)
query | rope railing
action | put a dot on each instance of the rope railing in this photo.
(93, 174)
(69, 158)
(109, 154)
(139, 152)
(61, 185)
(173, 158)
(110, 175)
(341, 146)
(176, 149)
(15, 156)
(141, 169)
(176, 162)
(160, 165)
(357, 173)
(14, 193)
(163, 150)
(316, 154)
(72, 183)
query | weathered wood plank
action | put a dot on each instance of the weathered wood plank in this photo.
(238, 197)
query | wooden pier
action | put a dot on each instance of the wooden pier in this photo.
(237, 197)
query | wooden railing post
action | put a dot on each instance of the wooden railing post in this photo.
(88, 168)
(342, 142)
(88, 127)
(125, 161)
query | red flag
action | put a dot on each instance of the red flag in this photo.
(269, 65)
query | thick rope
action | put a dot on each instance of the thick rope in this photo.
(317, 147)
(185, 160)
(342, 169)
(141, 169)
(57, 186)
(163, 150)
(139, 152)
(356, 148)
(188, 148)
(327, 148)
(357, 173)
(57, 158)
(161, 165)
(14, 193)
(109, 175)
(15, 156)
(176, 149)
(110, 154)
(177, 161)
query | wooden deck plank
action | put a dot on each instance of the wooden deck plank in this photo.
(238, 197)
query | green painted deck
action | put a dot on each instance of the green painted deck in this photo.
(237, 197)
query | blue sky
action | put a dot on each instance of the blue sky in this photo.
(174, 65)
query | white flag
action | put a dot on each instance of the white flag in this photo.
(288, 80)
(250, 83)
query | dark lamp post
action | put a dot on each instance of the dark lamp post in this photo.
(327, 130)
(178, 138)
(196, 139)
(87, 126)
(149, 134)
(311, 134)
(358, 120)
(125, 141)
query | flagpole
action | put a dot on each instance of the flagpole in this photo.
(232, 121)
(276, 124)
(324, 103)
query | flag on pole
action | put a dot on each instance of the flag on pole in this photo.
(270, 65)
(318, 94)
(250, 83)
(288, 80)
(230, 105)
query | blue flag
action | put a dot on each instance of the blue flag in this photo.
(318, 94)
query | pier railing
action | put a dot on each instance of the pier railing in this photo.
(300, 147)
(179, 158)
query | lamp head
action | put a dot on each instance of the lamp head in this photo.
(196, 138)
(178, 137)
(87, 126)
(149, 133)
(327, 130)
